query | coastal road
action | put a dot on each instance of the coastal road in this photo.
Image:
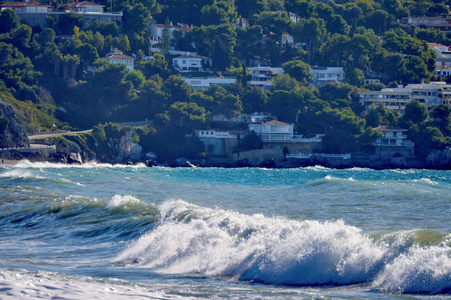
(46, 135)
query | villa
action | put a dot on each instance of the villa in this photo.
(118, 57)
(393, 142)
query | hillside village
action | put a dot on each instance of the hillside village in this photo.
(245, 83)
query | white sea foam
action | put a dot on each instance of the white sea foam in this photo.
(420, 270)
(119, 200)
(19, 284)
(192, 239)
(198, 240)
(89, 165)
(17, 173)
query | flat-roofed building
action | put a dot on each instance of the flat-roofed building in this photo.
(394, 98)
(324, 75)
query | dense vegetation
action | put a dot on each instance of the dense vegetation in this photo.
(50, 79)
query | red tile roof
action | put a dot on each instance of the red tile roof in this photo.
(12, 4)
(274, 122)
(389, 128)
(119, 56)
(84, 4)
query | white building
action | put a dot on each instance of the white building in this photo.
(218, 143)
(274, 131)
(261, 73)
(323, 75)
(394, 141)
(261, 117)
(86, 7)
(156, 30)
(188, 63)
(393, 98)
(442, 23)
(118, 57)
(27, 7)
(205, 82)
(430, 95)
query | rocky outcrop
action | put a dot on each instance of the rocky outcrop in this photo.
(14, 134)
(67, 152)
(440, 159)
(398, 162)
(125, 150)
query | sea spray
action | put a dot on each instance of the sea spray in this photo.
(196, 240)
(193, 239)
(420, 270)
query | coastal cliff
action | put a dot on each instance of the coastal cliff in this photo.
(12, 133)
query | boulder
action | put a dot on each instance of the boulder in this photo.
(150, 163)
(183, 163)
(267, 163)
(150, 155)
(67, 147)
(128, 150)
(398, 162)
(75, 158)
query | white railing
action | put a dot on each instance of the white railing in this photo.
(290, 138)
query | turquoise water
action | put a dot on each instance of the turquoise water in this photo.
(102, 231)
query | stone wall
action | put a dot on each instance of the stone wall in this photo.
(274, 154)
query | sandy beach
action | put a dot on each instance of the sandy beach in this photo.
(8, 162)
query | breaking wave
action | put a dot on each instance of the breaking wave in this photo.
(191, 239)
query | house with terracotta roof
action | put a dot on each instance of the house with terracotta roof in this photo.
(27, 7)
(156, 30)
(118, 57)
(86, 7)
(393, 142)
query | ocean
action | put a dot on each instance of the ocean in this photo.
(100, 231)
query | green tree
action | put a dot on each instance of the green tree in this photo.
(254, 99)
(104, 28)
(67, 22)
(136, 77)
(88, 53)
(166, 44)
(414, 113)
(379, 21)
(311, 32)
(438, 9)
(342, 129)
(188, 115)
(284, 82)
(337, 25)
(8, 21)
(298, 70)
(431, 35)
(249, 8)
(136, 18)
(441, 118)
(354, 76)
(213, 15)
(302, 8)
(177, 89)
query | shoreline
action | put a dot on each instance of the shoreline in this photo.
(9, 162)
(197, 164)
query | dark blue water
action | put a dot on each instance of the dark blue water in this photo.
(102, 231)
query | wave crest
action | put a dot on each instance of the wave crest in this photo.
(196, 240)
